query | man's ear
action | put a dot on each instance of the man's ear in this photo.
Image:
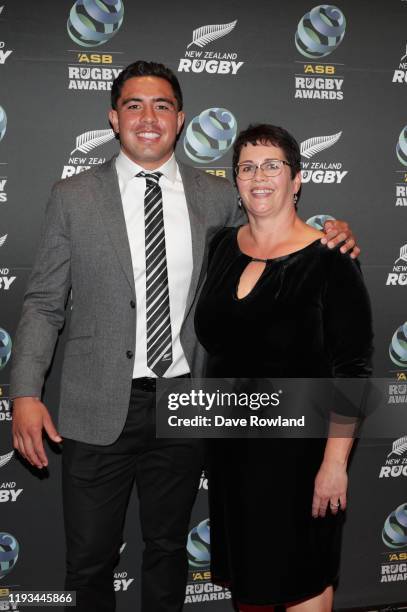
(180, 121)
(114, 120)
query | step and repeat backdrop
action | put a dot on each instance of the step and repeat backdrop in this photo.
(333, 75)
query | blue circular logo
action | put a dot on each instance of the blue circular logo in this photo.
(398, 346)
(3, 122)
(198, 546)
(5, 348)
(318, 221)
(94, 22)
(394, 533)
(401, 148)
(320, 31)
(210, 135)
(9, 549)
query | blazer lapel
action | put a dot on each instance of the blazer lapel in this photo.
(194, 196)
(112, 213)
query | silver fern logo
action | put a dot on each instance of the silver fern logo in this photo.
(3, 239)
(94, 22)
(214, 62)
(3, 122)
(4, 459)
(318, 171)
(90, 140)
(210, 135)
(206, 34)
(315, 145)
(398, 276)
(403, 254)
(399, 447)
(83, 157)
(395, 464)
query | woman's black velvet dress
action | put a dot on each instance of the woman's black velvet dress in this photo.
(307, 316)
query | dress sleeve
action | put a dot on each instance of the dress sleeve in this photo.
(348, 337)
(348, 329)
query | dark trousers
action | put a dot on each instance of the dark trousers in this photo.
(97, 482)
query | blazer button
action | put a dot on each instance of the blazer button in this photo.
(132, 304)
(129, 354)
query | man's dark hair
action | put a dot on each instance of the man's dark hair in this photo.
(264, 133)
(140, 69)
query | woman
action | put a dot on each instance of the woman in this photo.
(277, 303)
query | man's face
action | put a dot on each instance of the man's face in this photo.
(147, 120)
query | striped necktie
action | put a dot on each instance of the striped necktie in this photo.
(159, 339)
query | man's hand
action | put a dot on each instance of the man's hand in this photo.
(30, 417)
(338, 231)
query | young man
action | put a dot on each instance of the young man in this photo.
(134, 287)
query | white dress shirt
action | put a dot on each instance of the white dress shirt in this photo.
(178, 244)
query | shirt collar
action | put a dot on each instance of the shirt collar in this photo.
(127, 169)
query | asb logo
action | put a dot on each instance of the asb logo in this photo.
(213, 62)
(401, 147)
(3, 122)
(9, 549)
(400, 75)
(5, 348)
(84, 144)
(198, 546)
(394, 533)
(318, 34)
(320, 31)
(398, 346)
(321, 172)
(94, 22)
(318, 221)
(210, 135)
(399, 274)
(401, 152)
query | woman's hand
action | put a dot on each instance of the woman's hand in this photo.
(330, 487)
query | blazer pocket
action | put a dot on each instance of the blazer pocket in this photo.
(79, 346)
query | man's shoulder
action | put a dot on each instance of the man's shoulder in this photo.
(84, 180)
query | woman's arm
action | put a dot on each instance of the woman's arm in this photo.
(348, 337)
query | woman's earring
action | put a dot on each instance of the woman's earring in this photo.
(239, 202)
(295, 198)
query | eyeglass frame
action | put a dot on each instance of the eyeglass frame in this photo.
(259, 166)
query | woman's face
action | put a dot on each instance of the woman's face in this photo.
(263, 195)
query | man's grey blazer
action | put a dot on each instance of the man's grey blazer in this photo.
(84, 248)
